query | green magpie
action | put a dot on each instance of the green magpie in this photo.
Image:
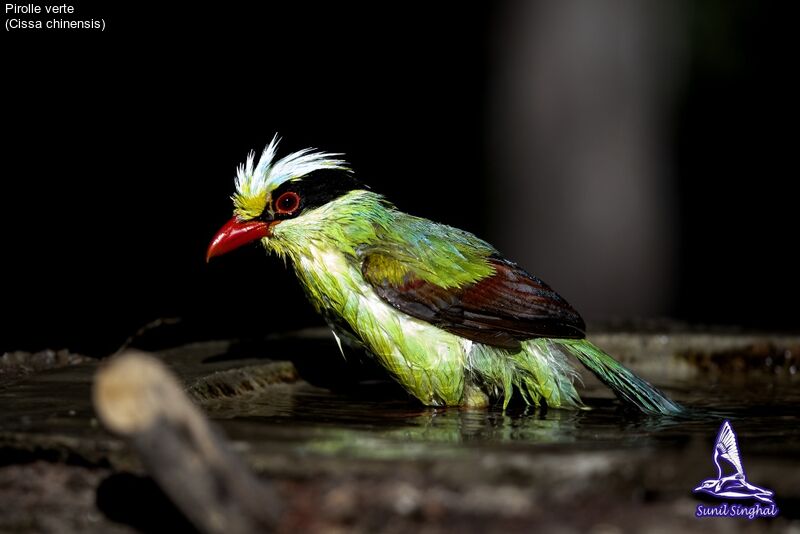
(449, 318)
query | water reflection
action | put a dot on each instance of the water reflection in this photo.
(375, 421)
(320, 422)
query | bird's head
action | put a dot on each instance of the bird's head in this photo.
(706, 485)
(284, 203)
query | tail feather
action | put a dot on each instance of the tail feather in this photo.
(626, 385)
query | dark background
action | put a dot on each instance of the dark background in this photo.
(120, 151)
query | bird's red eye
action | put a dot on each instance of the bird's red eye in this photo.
(287, 203)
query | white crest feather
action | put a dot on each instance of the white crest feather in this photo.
(269, 174)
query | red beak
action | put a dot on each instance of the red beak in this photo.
(234, 234)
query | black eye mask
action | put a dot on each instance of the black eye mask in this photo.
(317, 189)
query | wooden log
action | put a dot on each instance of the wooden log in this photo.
(137, 397)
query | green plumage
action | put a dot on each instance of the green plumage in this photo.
(327, 247)
(629, 387)
(449, 319)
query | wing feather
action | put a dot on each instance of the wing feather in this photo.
(501, 309)
(728, 447)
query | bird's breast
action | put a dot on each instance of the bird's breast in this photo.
(426, 360)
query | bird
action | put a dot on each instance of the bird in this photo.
(451, 320)
(735, 485)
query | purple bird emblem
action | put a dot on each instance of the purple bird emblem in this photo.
(735, 485)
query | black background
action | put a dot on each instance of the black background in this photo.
(120, 151)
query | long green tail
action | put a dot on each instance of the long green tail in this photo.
(626, 385)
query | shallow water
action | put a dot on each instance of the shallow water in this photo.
(368, 428)
(767, 418)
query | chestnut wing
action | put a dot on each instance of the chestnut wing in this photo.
(501, 310)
